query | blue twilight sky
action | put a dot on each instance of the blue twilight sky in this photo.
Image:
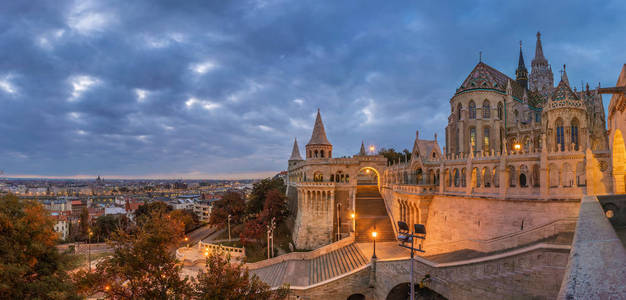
(213, 89)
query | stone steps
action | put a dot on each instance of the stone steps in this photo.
(372, 213)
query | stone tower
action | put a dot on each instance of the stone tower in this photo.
(295, 154)
(521, 74)
(319, 146)
(541, 77)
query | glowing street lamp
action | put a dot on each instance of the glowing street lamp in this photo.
(372, 148)
(353, 216)
(374, 234)
(517, 147)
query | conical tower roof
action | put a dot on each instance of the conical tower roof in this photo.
(564, 76)
(539, 58)
(319, 134)
(362, 151)
(295, 153)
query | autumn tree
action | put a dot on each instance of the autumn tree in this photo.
(226, 280)
(30, 265)
(104, 226)
(392, 156)
(143, 264)
(232, 203)
(189, 219)
(147, 209)
(259, 191)
(275, 207)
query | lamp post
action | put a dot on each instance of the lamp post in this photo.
(229, 227)
(187, 241)
(353, 216)
(404, 236)
(89, 249)
(374, 234)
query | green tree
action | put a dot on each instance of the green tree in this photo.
(226, 280)
(231, 203)
(84, 224)
(392, 156)
(275, 206)
(143, 264)
(259, 191)
(30, 265)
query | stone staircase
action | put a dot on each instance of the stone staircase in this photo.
(307, 272)
(371, 212)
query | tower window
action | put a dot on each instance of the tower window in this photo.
(560, 138)
(472, 110)
(486, 139)
(574, 130)
(486, 110)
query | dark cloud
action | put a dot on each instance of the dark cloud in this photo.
(196, 88)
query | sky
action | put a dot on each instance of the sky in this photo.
(220, 89)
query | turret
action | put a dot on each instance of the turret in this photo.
(541, 77)
(521, 74)
(319, 146)
(295, 154)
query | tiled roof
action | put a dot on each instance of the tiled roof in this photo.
(319, 134)
(484, 76)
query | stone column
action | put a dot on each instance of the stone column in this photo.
(544, 180)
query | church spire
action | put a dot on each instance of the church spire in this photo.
(362, 151)
(295, 153)
(521, 74)
(319, 134)
(564, 76)
(541, 77)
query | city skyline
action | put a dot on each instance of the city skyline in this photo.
(220, 90)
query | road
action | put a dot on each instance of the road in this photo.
(200, 233)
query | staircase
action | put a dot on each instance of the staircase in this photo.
(371, 211)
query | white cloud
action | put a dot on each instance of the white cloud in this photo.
(298, 101)
(141, 94)
(203, 67)
(86, 18)
(164, 41)
(299, 123)
(80, 84)
(368, 111)
(7, 86)
(265, 128)
(207, 105)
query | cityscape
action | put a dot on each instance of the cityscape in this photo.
(312, 150)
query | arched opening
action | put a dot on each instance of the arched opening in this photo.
(456, 178)
(486, 177)
(356, 297)
(322, 153)
(367, 176)
(560, 137)
(402, 292)
(574, 133)
(472, 110)
(318, 177)
(523, 177)
(619, 162)
(522, 180)
(486, 109)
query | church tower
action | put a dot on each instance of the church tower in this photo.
(521, 74)
(319, 146)
(295, 154)
(541, 77)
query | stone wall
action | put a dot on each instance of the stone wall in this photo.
(340, 289)
(453, 219)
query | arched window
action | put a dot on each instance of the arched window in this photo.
(315, 153)
(322, 153)
(516, 114)
(463, 178)
(472, 134)
(500, 111)
(512, 177)
(458, 111)
(318, 177)
(456, 140)
(486, 139)
(456, 177)
(486, 110)
(574, 131)
(560, 138)
(472, 110)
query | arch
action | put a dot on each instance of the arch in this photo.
(365, 169)
(581, 179)
(486, 109)
(446, 178)
(356, 297)
(459, 108)
(523, 176)
(401, 292)
(472, 110)
(496, 177)
(535, 177)
(512, 176)
(315, 153)
(457, 178)
(618, 155)
(463, 178)
(475, 178)
(500, 111)
(486, 177)
(486, 139)
(568, 176)
(553, 175)
(322, 153)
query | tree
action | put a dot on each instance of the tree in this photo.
(187, 217)
(275, 206)
(259, 190)
(147, 209)
(84, 224)
(226, 280)
(30, 265)
(232, 204)
(143, 265)
(105, 225)
(393, 156)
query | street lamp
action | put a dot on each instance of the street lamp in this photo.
(372, 148)
(187, 241)
(353, 216)
(517, 146)
(405, 236)
(229, 227)
(374, 234)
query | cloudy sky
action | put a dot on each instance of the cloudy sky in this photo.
(213, 89)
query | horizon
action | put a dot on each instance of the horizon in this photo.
(199, 90)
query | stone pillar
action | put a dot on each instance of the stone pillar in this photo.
(504, 175)
(544, 180)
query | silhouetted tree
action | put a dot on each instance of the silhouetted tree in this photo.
(259, 190)
(231, 203)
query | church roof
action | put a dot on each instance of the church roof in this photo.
(535, 99)
(319, 134)
(484, 76)
(295, 153)
(539, 58)
(563, 91)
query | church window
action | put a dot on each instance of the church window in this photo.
(560, 138)
(472, 134)
(322, 153)
(456, 177)
(574, 131)
(472, 110)
(486, 110)
(459, 108)
(500, 111)
(537, 117)
(315, 153)
(332, 177)
(486, 139)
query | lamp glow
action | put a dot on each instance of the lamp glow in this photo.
(517, 147)
(374, 234)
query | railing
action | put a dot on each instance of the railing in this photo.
(303, 255)
(195, 255)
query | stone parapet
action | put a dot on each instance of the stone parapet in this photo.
(597, 261)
